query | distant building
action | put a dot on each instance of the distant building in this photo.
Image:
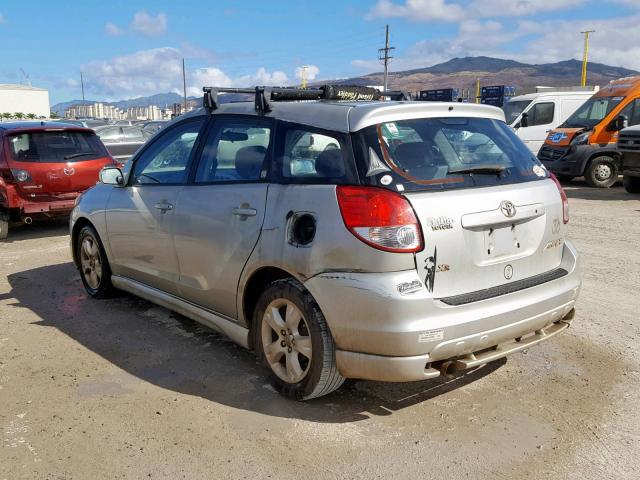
(24, 99)
(110, 112)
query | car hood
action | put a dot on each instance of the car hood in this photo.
(561, 137)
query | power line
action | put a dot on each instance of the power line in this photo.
(383, 54)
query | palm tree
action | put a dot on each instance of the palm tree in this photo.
(6, 115)
(19, 115)
(31, 116)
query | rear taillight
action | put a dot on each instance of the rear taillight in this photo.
(563, 195)
(380, 218)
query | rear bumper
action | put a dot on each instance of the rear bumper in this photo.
(10, 199)
(383, 335)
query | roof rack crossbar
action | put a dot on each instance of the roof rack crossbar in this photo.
(265, 95)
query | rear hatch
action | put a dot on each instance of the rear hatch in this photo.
(481, 238)
(55, 161)
(489, 212)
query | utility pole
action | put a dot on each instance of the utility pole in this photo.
(383, 55)
(184, 86)
(585, 56)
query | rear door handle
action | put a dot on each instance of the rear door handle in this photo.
(244, 212)
(164, 206)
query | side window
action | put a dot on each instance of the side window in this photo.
(541, 114)
(313, 156)
(133, 134)
(167, 159)
(235, 151)
(109, 134)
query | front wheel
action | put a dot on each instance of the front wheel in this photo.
(631, 184)
(601, 172)
(95, 271)
(293, 340)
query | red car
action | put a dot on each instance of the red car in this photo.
(44, 167)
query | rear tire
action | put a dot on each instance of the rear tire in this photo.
(601, 172)
(4, 226)
(293, 340)
(631, 184)
(93, 265)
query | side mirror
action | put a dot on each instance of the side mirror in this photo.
(524, 121)
(111, 176)
(618, 123)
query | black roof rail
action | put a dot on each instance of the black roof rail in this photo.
(265, 95)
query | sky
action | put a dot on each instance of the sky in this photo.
(127, 49)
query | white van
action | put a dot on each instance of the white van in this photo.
(534, 115)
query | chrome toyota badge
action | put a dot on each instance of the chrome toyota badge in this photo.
(507, 208)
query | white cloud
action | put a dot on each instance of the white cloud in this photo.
(419, 10)
(148, 25)
(442, 10)
(159, 70)
(311, 73)
(112, 29)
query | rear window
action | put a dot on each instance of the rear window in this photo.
(443, 153)
(56, 147)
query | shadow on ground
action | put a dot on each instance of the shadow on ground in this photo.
(38, 229)
(579, 189)
(172, 352)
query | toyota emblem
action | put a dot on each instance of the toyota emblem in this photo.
(69, 171)
(508, 272)
(507, 208)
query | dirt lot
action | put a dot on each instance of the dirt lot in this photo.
(123, 389)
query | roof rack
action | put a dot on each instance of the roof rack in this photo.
(265, 95)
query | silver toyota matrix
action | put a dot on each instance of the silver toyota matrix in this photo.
(338, 235)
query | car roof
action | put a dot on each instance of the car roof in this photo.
(563, 94)
(353, 116)
(34, 126)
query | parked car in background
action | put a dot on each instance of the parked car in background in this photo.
(585, 144)
(44, 167)
(390, 241)
(124, 123)
(534, 115)
(629, 148)
(88, 123)
(154, 125)
(123, 141)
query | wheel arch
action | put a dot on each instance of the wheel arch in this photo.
(252, 287)
(79, 224)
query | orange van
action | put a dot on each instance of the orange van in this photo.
(585, 144)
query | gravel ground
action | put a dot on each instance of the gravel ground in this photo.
(124, 389)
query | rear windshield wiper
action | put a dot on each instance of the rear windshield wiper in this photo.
(482, 169)
(76, 155)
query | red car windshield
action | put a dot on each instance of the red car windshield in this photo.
(56, 147)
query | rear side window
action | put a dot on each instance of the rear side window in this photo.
(309, 155)
(443, 153)
(56, 147)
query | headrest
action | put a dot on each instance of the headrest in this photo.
(249, 161)
(410, 154)
(330, 164)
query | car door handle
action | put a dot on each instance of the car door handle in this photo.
(164, 206)
(244, 212)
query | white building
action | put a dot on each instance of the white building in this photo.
(24, 99)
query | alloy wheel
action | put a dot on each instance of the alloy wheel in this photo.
(286, 340)
(91, 262)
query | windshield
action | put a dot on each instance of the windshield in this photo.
(56, 147)
(439, 153)
(592, 112)
(513, 109)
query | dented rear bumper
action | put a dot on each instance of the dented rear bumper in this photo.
(384, 334)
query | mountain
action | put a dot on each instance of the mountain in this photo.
(464, 72)
(455, 73)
